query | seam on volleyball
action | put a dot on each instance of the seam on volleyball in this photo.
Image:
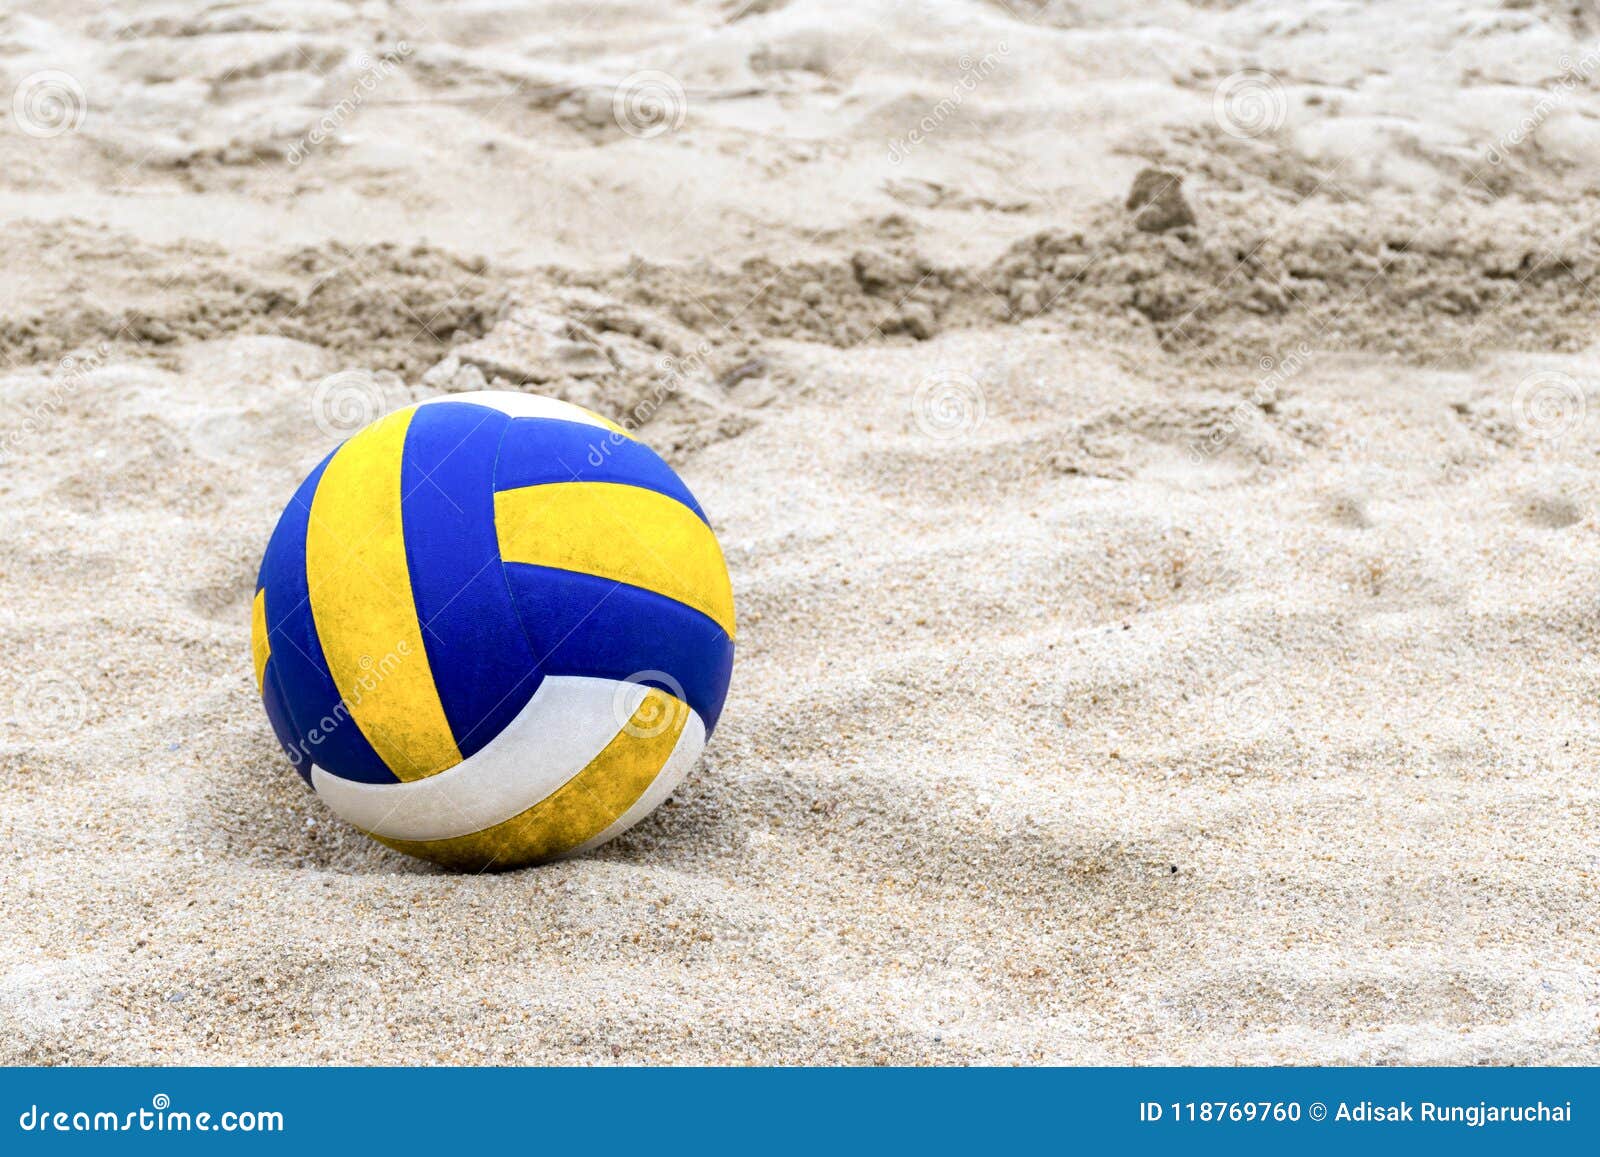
(538, 663)
(516, 613)
(615, 583)
(320, 664)
(352, 554)
(576, 779)
(576, 477)
(310, 515)
(511, 595)
(319, 660)
(627, 529)
(424, 628)
(648, 549)
(493, 470)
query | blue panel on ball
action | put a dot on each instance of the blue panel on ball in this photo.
(482, 667)
(322, 727)
(582, 624)
(539, 450)
(278, 716)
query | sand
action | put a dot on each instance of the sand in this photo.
(1168, 622)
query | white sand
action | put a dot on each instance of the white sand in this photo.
(1155, 647)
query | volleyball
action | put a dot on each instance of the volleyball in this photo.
(493, 629)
